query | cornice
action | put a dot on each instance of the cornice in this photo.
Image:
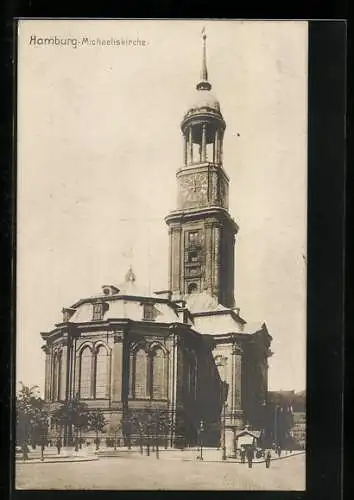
(193, 214)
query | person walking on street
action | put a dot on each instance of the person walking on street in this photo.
(58, 445)
(243, 456)
(250, 456)
(267, 460)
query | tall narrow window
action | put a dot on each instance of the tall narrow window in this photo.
(85, 373)
(101, 375)
(149, 311)
(97, 311)
(158, 382)
(140, 369)
(193, 238)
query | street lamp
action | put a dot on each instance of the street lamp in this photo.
(224, 433)
(201, 430)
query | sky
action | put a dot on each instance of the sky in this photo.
(99, 144)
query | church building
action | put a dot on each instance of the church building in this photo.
(185, 350)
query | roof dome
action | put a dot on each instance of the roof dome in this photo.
(203, 99)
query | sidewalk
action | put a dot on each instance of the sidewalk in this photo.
(186, 455)
(51, 456)
(90, 453)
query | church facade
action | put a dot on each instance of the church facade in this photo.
(185, 350)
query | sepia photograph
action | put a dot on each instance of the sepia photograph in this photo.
(161, 285)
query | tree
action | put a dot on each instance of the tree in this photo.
(151, 424)
(31, 418)
(96, 422)
(72, 414)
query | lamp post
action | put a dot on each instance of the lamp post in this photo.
(201, 430)
(224, 433)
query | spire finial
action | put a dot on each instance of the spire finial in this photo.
(204, 84)
(130, 276)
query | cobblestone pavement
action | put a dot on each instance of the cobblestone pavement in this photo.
(142, 472)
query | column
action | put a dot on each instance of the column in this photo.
(48, 363)
(117, 367)
(214, 148)
(203, 158)
(221, 148)
(74, 372)
(217, 146)
(170, 259)
(185, 143)
(190, 139)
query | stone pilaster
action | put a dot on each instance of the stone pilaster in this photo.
(172, 379)
(64, 370)
(236, 403)
(216, 260)
(117, 367)
(48, 369)
(208, 274)
(176, 244)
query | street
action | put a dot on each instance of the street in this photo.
(142, 472)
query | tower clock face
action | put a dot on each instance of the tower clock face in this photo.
(194, 187)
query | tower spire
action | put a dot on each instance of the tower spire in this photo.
(204, 84)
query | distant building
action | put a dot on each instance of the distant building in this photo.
(186, 350)
(286, 417)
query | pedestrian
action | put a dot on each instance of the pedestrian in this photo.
(279, 451)
(267, 460)
(58, 445)
(243, 455)
(25, 451)
(250, 456)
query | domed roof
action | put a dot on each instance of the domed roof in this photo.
(203, 99)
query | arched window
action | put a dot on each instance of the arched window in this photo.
(140, 373)
(157, 374)
(101, 373)
(85, 373)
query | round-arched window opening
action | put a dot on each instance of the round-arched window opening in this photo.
(192, 288)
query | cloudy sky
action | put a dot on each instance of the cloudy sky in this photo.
(99, 144)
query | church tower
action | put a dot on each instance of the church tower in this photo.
(201, 231)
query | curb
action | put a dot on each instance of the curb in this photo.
(56, 461)
(234, 461)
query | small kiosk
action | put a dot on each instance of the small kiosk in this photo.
(247, 438)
